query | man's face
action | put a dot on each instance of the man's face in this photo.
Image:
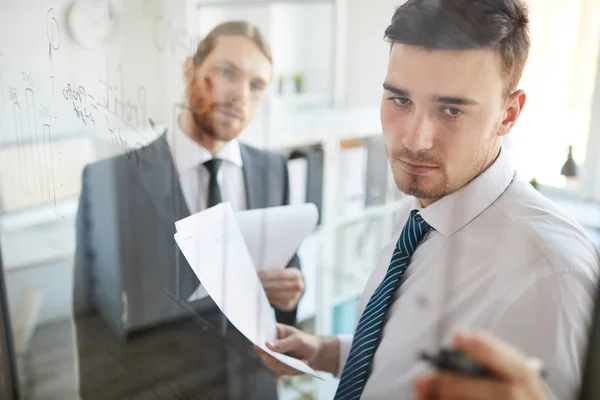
(443, 113)
(227, 88)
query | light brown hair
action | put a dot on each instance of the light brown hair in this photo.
(231, 28)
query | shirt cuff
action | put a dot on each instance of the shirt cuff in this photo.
(345, 344)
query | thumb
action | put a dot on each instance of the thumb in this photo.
(501, 358)
(284, 331)
(286, 345)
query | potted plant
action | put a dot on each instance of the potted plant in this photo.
(298, 82)
(534, 182)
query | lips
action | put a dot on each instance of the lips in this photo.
(417, 168)
(229, 112)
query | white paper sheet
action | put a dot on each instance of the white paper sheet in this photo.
(200, 293)
(213, 245)
(272, 234)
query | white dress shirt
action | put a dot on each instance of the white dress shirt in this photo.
(188, 157)
(502, 259)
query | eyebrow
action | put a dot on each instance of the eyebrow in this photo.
(395, 90)
(232, 65)
(456, 101)
(450, 100)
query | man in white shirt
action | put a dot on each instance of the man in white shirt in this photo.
(226, 80)
(475, 246)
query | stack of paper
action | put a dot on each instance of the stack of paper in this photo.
(214, 246)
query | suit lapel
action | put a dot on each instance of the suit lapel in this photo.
(161, 183)
(159, 178)
(254, 178)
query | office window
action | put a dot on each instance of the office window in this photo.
(559, 80)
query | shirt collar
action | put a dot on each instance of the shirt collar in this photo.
(454, 211)
(188, 154)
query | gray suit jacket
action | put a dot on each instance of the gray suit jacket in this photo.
(130, 278)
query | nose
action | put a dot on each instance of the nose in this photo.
(419, 136)
(240, 92)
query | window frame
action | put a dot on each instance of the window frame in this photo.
(590, 184)
(589, 172)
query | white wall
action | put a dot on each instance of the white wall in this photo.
(119, 87)
(300, 36)
(144, 58)
(302, 41)
(367, 52)
(130, 63)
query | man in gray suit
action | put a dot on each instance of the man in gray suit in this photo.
(131, 279)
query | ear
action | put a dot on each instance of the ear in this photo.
(188, 71)
(514, 106)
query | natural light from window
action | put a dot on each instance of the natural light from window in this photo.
(559, 80)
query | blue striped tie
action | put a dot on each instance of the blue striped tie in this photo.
(366, 336)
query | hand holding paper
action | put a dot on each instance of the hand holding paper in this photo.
(293, 342)
(272, 236)
(320, 352)
(214, 246)
(283, 287)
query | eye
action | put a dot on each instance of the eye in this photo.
(227, 72)
(256, 86)
(401, 101)
(452, 112)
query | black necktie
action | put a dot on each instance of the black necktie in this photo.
(214, 198)
(214, 192)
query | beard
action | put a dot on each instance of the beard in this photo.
(204, 113)
(419, 186)
(440, 183)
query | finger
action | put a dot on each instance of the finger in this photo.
(284, 305)
(280, 274)
(423, 387)
(505, 361)
(283, 285)
(290, 344)
(271, 362)
(277, 367)
(284, 330)
(282, 296)
(446, 386)
(263, 275)
(284, 300)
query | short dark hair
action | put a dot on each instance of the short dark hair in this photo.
(231, 28)
(502, 25)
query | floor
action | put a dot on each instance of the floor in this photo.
(52, 368)
(52, 364)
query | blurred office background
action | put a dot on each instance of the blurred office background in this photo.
(87, 79)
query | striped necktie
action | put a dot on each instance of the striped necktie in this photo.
(366, 336)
